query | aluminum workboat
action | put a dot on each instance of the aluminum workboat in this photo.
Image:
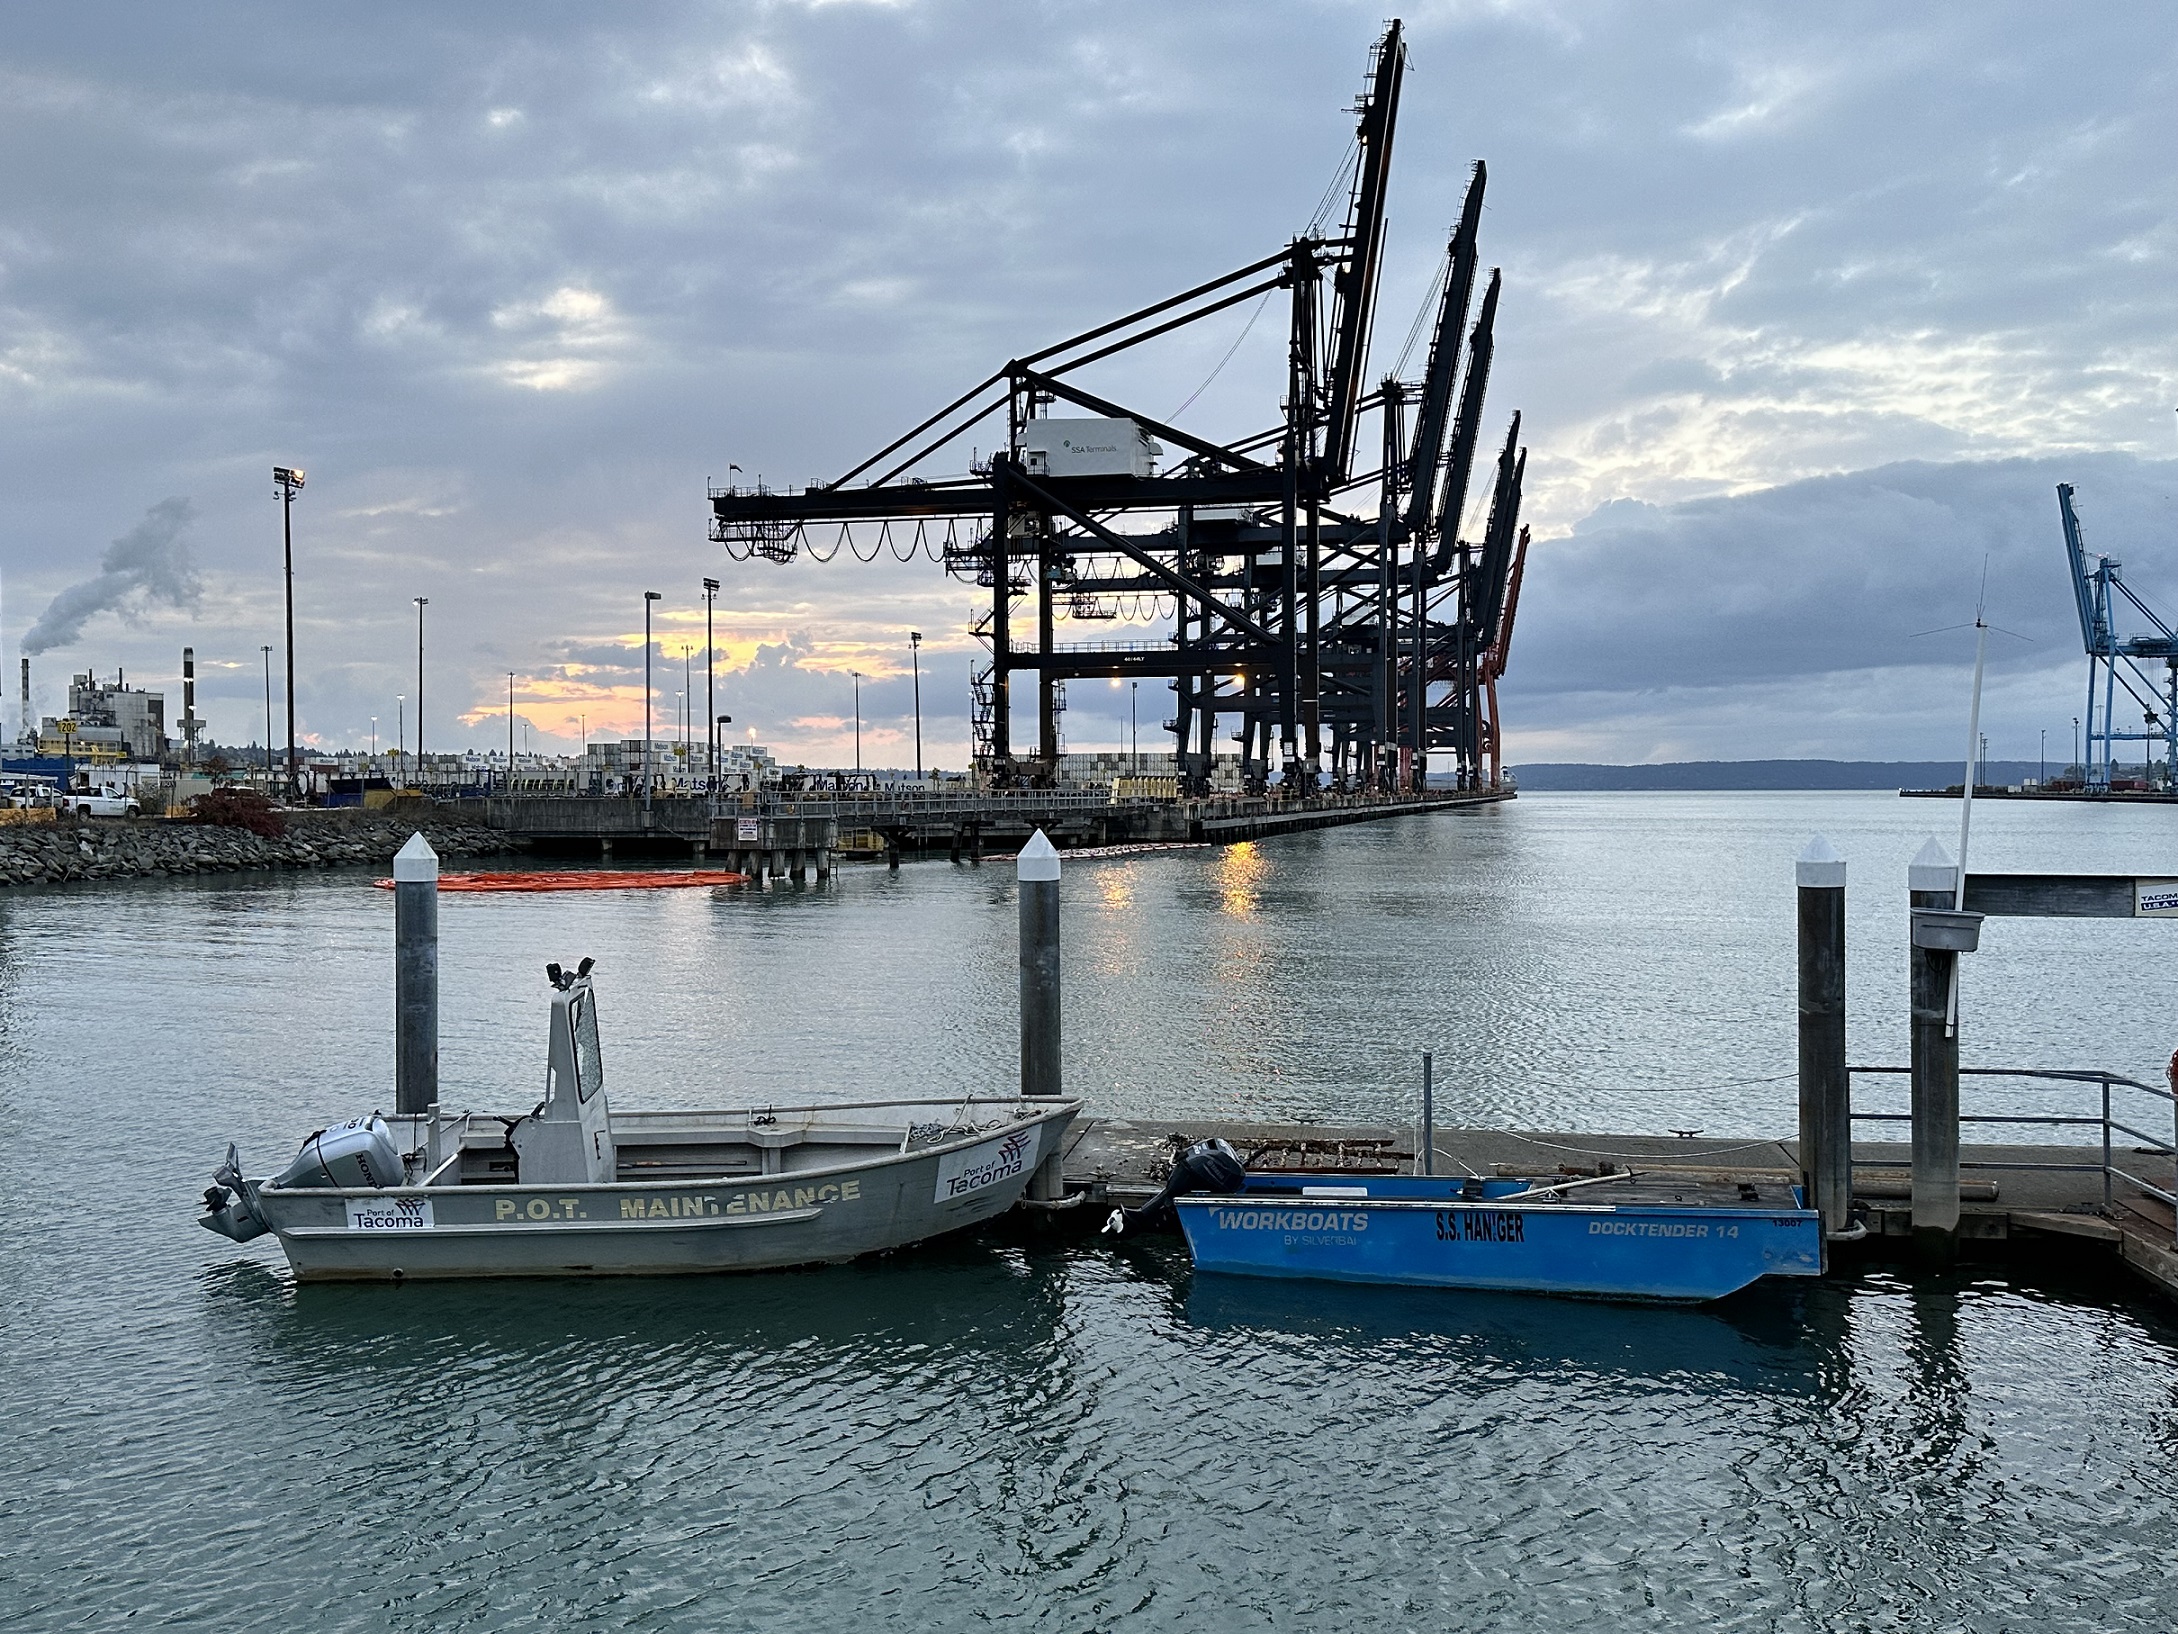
(1624, 1235)
(576, 1189)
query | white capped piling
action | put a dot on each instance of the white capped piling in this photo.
(1932, 882)
(1826, 1107)
(415, 976)
(1038, 871)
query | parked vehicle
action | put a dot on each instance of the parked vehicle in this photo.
(103, 801)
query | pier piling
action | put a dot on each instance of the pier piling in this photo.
(1037, 869)
(415, 976)
(1932, 882)
(1826, 1109)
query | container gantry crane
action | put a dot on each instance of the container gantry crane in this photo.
(1336, 615)
(2099, 585)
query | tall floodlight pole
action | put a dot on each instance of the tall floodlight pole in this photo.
(649, 596)
(1134, 734)
(857, 674)
(400, 724)
(915, 663)
(421, 603)
(268, 719)
(374, 740)
(710, 689)
(288, 478)
(510, 731)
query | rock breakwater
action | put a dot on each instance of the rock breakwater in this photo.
(103, 848)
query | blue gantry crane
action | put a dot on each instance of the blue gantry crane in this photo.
(2114, 661)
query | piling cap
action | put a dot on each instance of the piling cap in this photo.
(416, 863)
(1820, 866)
(1932, 869)
(1039, 859)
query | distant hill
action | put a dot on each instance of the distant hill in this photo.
(1547, 776)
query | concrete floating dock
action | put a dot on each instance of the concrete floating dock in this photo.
(1119, 1163)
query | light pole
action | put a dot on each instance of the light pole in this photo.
(421, 603)
(710, 689)
(268, 720)
(400, 724)
(2082, 770)
(510, 731)
(915, 663)
(649, 596)
(374, 740)
(2045, 759)
(857, 674)
(716, 735)
(287, 478)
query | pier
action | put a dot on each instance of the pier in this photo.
(790, 834)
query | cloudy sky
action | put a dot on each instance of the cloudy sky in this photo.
(1808, 309)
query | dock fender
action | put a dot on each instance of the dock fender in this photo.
(1207, 1166)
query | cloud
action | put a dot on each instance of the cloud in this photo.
(515, 284)
(1825, 613)
(148, 567)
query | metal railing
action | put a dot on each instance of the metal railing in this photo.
(2109, 1126)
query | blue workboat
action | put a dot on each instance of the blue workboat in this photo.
(1514, 1235)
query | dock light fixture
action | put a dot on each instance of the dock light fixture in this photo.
(710, 688)
(649, 596)
(288, 479)
(421, 603)
(915, 665)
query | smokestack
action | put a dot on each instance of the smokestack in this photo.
(26, 701)
(189, 706)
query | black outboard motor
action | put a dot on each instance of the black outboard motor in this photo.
(1208, 1165)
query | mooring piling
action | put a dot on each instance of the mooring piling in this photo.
(415, 976)
(1932, 886)
(1826, 1108)
(1037, 870)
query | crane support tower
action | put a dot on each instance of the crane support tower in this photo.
(2115, 661)
(1336, 614)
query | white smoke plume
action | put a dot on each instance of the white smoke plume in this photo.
(147, 566)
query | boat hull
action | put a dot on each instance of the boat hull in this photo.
(1641, 1252)
(658, 1228)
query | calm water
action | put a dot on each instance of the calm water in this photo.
(996, 1433)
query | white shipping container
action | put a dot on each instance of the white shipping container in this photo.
(1088, 448)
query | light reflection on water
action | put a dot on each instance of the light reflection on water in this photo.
(997, 1430)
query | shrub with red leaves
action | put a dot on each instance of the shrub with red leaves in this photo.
(239, 808)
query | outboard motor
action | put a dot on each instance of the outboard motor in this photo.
(347, 1156)
(357, 1153)
(1208, 1165)
(231, 1203)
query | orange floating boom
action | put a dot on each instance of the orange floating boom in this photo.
(571, 879)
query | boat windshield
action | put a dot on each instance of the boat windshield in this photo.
(589, 1061)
